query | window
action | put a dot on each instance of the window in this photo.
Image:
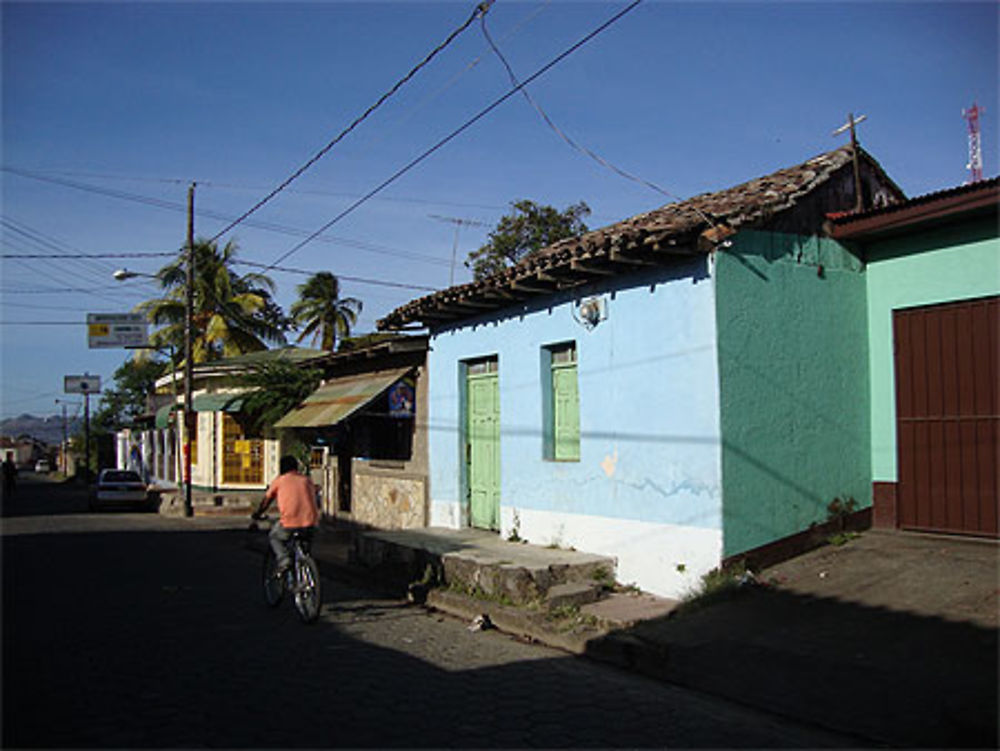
(317, 455)
(242, 457)
(484, 366)
(382, 432)
(561, 402)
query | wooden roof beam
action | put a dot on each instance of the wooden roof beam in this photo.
(589, 269)
(617, 256)
(531, 285)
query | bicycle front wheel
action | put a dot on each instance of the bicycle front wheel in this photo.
(308, 596)
(274, 583)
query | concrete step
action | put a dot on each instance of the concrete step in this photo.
(479, 563)
(573, 594)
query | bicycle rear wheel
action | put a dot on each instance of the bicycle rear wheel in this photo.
(308, 596)
(274, 583)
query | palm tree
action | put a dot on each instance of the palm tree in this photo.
(322, 312)
(232, 314)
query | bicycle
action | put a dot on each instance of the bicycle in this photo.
(301, 578)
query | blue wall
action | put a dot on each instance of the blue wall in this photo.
(648, 386)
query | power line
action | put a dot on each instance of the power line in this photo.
(461, 129)
(569, 141)
(86, 255)
(267, 226)
(25, 172)
(344, 277)
(480, 10)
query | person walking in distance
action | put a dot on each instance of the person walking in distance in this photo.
(296, 497)
(9, 476)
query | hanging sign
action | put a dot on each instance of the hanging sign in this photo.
(116, 330)
(82, 384)
(402, 398)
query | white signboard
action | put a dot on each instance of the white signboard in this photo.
(115, 330)
(82, 384)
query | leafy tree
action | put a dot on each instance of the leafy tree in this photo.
(322, 312)
(126, 400)
(279, 385)
(527, 228)
(233, 314)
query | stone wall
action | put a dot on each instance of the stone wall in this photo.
(389, 501)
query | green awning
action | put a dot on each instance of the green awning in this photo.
(339, 398)
(163, 415)
(217, 402)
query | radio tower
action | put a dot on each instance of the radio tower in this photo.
(975, 164)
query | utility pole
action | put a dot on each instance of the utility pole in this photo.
(849, 125)
(459, 223)
(190, 416)
(86, 436)
(63, 459)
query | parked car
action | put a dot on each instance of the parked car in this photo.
(42, 467)
(119, 487)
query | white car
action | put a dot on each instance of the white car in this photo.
(42, 467)
(119, 487)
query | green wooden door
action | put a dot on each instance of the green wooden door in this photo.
(483, 451)
(566, 412)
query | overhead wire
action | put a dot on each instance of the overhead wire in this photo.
(51, 246)
(480, 9)
(572, 143)
(204, 183)
(78, 269)
(267, 226)
(459, 130)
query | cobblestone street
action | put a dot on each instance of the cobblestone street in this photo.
(136, 630)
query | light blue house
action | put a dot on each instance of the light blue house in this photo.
(681, 388)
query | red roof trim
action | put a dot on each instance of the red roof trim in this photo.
(932, 207)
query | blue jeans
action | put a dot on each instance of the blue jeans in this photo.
(279, 537)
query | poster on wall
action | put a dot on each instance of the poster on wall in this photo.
(402, 398)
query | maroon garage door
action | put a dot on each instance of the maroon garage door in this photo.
(947, 405)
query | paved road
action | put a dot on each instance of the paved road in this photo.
(141, 631)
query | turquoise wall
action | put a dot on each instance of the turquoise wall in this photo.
(957, 262)
(793, 369)
(649, 447)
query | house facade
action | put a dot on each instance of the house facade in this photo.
(676, 390)
(228, 457)
(366, 428)
(933, 281)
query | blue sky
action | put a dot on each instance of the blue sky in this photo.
(110, 110)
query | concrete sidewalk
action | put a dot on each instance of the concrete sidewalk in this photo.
(891, 637)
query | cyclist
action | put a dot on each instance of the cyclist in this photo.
(296, 496)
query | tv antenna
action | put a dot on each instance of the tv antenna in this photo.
(459, 223)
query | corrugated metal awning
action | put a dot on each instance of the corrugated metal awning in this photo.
(217, 402)
(339, 398)
(163, 415)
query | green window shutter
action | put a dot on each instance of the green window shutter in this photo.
(566, 412)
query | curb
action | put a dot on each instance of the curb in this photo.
(531, 625)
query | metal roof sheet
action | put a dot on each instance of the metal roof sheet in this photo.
(339, 398)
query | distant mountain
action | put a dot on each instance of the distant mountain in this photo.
(46, 429)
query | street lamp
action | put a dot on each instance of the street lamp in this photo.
(189, 415)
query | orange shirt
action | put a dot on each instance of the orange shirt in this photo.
(296, 495)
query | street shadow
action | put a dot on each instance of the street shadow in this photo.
(896, 677)
(161, 638)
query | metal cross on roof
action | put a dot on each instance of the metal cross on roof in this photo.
(849, 125)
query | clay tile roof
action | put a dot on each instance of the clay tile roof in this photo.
(673, 229)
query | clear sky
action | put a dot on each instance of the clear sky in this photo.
(111, 109)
